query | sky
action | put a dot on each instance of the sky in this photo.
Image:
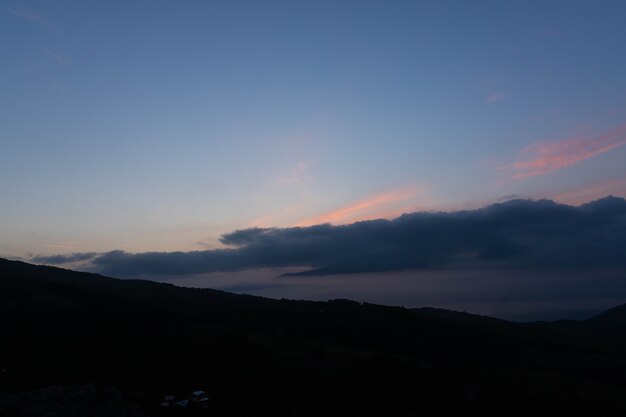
(410, 153)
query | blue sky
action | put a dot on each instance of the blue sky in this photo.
(159, 126)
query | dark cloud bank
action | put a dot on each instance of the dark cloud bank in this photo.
(518, 234)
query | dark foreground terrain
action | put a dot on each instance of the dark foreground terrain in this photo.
(86, 345)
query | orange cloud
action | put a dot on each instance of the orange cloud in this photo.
(379, 206)
(546, 157)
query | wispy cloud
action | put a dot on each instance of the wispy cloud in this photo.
(277, 218)
(298, 176)
(56, 56)
(384, 205)
(546, 157)
(28, 15)
(65, 259)
(495, 97)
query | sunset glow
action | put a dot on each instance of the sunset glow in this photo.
(251, 146)
(385, 205)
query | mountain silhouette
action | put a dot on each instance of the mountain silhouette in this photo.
(615, 315)
(257, 356)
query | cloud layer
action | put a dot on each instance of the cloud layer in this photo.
(517, 234)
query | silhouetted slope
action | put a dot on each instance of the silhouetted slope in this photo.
(615, 315)
(460, 316)
(256, 355)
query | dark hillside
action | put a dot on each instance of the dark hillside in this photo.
(255, 356)
(615, 315)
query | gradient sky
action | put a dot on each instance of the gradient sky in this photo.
(161, 125)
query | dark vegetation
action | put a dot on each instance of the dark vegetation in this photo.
(257, 356)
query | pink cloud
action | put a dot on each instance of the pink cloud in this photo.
(546, 157)
(384, 205)
(495, 97)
